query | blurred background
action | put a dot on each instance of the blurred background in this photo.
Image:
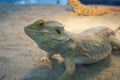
(62, 2)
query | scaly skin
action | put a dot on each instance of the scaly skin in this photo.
(87, 10)
(90, 46)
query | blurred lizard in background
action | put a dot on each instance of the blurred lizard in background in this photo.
(95, 10)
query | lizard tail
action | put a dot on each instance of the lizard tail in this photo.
(113, 10)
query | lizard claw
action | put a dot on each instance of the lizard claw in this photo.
(46, 60)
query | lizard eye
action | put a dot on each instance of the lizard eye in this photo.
(58, 31)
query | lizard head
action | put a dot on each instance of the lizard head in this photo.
(46, 31)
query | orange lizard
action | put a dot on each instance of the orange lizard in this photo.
(88, 10)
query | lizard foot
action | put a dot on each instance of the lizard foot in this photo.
(46, 60)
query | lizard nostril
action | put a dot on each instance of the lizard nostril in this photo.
(41, 24)
(42, 33)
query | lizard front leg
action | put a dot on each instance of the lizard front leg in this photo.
(70, 69)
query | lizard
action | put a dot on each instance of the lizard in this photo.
(88, 47)
(88, 10)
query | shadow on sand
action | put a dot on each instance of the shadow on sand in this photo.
(116, 52)
(83, 72)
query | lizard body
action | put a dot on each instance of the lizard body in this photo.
(87, 47)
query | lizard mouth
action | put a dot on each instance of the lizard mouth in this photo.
(51, 35)
(61, 38)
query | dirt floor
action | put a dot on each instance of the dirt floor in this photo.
(20, 57)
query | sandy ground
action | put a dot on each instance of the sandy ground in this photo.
(20, 57)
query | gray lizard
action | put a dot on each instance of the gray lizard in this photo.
(87, 47)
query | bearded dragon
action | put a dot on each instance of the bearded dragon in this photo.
(87, 47)
(88, 10)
